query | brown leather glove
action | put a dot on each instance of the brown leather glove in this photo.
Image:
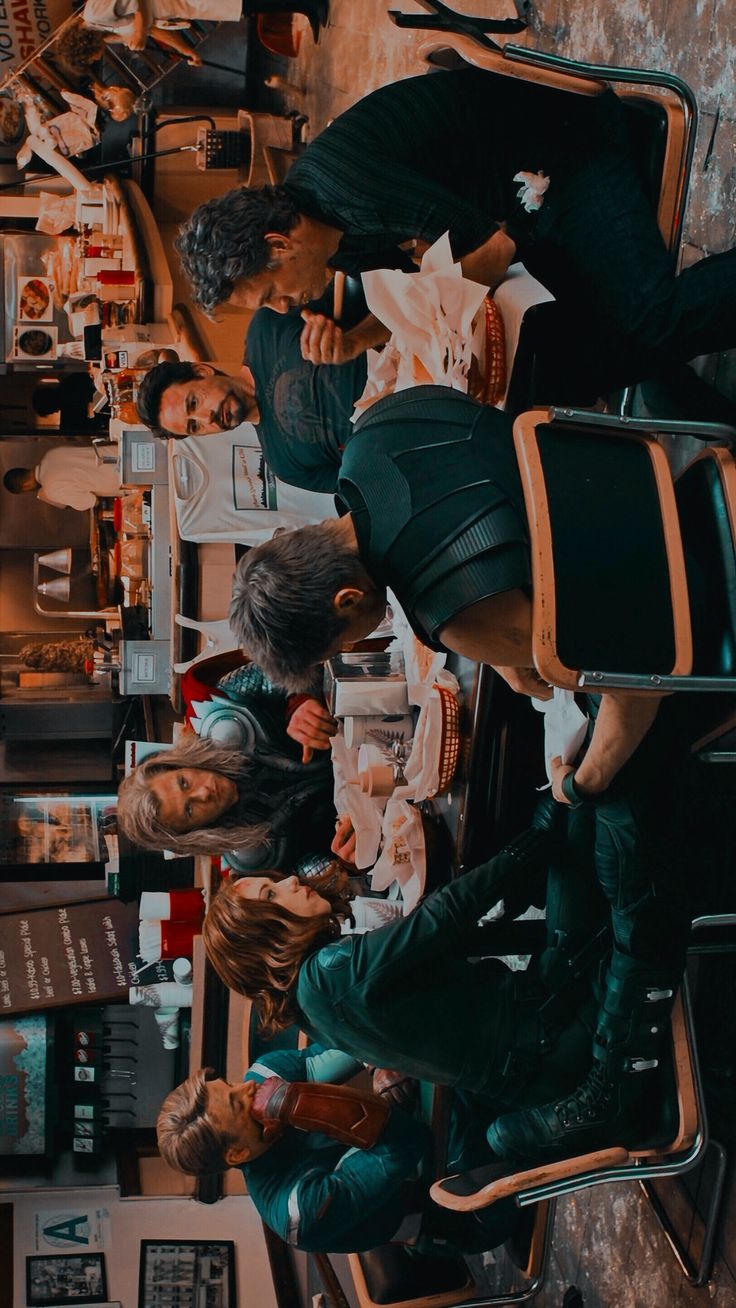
(353, 1117)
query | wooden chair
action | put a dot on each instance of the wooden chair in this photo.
(390, 1275)
(266, 132)
(381, 1275)
(614, 603)
(681, 1123)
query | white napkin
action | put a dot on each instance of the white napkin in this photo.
(564, 727)
(403, 858)
(430, 315)
(364, 811)
(517, 293)
(425, 669)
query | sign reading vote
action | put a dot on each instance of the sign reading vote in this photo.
(75, 953)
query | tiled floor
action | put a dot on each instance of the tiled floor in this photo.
(606, 1240)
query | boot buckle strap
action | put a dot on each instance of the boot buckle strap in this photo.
(641, 1064)
(654, 996)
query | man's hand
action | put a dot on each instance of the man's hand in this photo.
(194, 60)
(525, 681)
(323, 341)
(489, 264)
(343, 845)
(559, 771)
(394, 1085)
(138, 37)
(312, 726)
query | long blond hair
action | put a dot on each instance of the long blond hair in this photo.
(138, 808)
(257, 946)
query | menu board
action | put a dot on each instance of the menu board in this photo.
(72, 954)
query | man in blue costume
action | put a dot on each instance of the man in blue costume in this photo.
(314, 1191)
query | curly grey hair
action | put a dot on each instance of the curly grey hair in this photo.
(282, 612)
(224, 240)
(138, 809)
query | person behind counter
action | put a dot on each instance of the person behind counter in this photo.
(132, 21)
(248, 786)
(68, 476)
(320, 1194)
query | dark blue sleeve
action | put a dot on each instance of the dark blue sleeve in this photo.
(355, 1204)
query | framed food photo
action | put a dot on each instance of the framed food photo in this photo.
(35, 299)
(36, 344)
(203, 1271)
(65, 1279)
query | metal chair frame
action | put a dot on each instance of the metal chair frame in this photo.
(589, 79)
(524, 1295)
(715, 433)
(618, 1164)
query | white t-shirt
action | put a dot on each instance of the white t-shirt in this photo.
(71, 476)
(117, 15)
(223, 490)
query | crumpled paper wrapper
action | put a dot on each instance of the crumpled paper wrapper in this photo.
(56, 213)
(422, 665)
(364, 811)
(564, 727)
(424, 670)
(403, 858)
(430, 316)
(70, 133)
(532, 190)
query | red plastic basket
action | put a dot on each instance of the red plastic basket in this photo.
(494, 381)
(449, 740)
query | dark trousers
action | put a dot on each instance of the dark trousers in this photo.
(595, 244)
(636, 847)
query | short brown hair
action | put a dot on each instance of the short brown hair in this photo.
(282, 611)
(187, 1140)
(257, 947)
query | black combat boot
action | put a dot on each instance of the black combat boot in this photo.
(609, 1107)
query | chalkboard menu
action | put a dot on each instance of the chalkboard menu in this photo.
(71, 954)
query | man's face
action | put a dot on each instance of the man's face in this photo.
(229, 1110)
(299, 274)
(190, 798)
(210, 403)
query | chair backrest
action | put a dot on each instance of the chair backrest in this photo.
(391, 1275)
(706, 503)
(272, 131)
(662, 105)
(609, 586)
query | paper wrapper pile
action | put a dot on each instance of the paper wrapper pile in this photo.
(437, 324)
(394, 825)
